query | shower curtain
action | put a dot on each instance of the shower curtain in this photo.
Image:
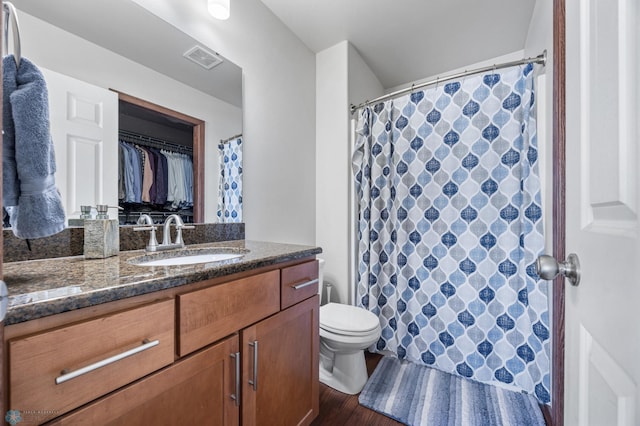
(449, 227)
(230, 185)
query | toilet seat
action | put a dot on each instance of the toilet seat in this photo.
(347, 320)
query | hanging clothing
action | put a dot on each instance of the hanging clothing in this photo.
(230, 184)
(121, 189)
(177, 186)
(133, 173)
(162, 177)
(29, 194)
(147, 176)
(151, 175)
(449, 227)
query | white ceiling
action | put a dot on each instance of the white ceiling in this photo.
(401, 40)
(407, 40)
(128, 29)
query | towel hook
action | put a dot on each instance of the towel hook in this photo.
(11, 14)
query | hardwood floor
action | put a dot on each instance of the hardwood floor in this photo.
(337, 408)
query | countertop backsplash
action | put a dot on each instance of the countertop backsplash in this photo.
(70, 242)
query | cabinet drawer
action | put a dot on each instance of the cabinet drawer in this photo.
(299, 282)
(194, 391)
(107, 353)
(207, 315)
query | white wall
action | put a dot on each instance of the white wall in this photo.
(363, 85)
(279, 115)
(332, 152)
(539, 38)
(513, 56)
(342, 77)
(58, 50)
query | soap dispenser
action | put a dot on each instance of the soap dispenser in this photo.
(101, 235)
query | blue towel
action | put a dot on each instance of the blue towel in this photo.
(29, 191)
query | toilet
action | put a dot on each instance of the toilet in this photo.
(345, 332)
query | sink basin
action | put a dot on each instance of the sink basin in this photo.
(188, 257)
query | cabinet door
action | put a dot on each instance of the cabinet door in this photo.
(195, 391)
(280, 381)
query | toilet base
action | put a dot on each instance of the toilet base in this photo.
(349, 373)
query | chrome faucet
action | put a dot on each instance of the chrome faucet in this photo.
(153, 245)
(166, 232)
(145, 219)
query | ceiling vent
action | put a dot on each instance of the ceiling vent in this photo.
(203, 57)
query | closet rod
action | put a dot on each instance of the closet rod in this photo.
(10, 13)
(231, 138)
(132, 137)
(540, 59)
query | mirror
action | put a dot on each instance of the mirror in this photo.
(124, 50)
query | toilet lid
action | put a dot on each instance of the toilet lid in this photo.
(347, 319)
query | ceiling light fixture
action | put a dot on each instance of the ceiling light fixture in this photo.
(219, 9)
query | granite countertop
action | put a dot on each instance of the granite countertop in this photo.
(39, 288)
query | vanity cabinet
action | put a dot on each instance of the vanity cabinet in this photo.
(215, 353)
(57, 370)
(279, 375)
(193, 391)
(280, 367)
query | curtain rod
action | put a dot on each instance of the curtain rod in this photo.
(231, 138)
(540, 59)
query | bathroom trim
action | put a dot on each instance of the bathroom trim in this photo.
(554, 415)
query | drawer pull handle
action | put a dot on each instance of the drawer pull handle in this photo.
(236, 395)
(305, 284)
(84, 370)
(254, 382)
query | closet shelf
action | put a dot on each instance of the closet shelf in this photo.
(136, 138)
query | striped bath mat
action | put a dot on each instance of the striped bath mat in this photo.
(419, 395)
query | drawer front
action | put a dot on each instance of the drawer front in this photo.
(208, 315)
(194, 391)
(60, 369)
(299, 282)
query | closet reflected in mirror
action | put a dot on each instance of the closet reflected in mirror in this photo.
(157, 174)
(110, 64)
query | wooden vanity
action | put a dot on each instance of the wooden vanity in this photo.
(238, 349)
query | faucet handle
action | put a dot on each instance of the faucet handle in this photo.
(145, 228)
(179, 227)
(152, 245)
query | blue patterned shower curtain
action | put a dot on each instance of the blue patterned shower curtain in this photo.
(230, 185)
(450, 225)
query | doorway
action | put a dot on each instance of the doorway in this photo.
(173, 127)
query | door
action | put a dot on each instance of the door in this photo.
(84, 128)
(602, 368)
(280, 367)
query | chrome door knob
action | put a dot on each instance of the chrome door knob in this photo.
(548, 268)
